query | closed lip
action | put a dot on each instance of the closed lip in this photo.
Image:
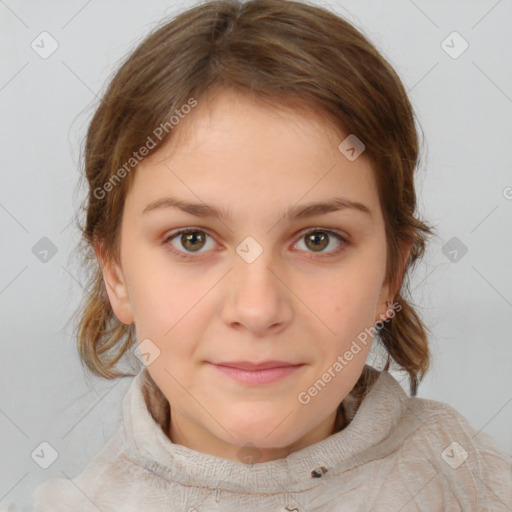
(264, 365)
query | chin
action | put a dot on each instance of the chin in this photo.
(263, 434)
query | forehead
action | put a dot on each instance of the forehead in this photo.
(235, 151)
(226, 118)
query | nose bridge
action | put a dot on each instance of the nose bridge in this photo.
(257, 298)
(253, 267)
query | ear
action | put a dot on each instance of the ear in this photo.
(384, 303)
(115, 285)
(387, 294)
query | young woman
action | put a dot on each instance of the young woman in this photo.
(250, 225)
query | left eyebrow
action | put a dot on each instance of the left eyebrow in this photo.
(322, 207)
(301, 211)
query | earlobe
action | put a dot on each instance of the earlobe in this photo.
(385, 306)
(117, 290)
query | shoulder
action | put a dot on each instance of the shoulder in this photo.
(122, 467)
(108, 471)
(467, 460)
(440, 424)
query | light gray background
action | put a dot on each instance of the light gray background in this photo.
(464, 106)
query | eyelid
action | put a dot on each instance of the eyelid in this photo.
(335, 231)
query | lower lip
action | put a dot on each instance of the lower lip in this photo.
(258, 377)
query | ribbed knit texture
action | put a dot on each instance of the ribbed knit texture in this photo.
(395, 454)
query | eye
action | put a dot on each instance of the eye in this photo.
(318, 239)
(192, 240)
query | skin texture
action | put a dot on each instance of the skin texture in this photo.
(294, 302)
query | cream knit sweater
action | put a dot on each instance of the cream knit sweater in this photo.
(396, 454)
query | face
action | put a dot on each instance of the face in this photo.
(256, 281)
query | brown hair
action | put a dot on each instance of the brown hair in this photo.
(283, 52)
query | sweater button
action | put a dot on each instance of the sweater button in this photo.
(318, 472)
(288, 508)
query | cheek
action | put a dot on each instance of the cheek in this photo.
(346, 301)
(353, 292)
(155, 283)
(171, 307)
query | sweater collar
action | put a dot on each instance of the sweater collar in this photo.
(146, 411)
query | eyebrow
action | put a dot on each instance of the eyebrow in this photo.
(301, 211)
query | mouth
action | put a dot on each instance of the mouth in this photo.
(262, 373)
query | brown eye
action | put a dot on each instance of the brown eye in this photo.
(188, 241)
(193, 241)
(318, 240)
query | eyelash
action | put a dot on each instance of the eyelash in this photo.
(190, 256)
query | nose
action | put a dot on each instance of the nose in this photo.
(257, 297)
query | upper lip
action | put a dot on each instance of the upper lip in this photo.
(246, 365)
